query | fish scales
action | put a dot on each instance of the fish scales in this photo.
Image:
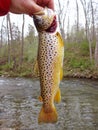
(47, 55)
(50, 63)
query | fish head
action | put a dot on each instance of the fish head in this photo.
(44, 19)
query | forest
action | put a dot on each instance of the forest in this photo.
(18, 52)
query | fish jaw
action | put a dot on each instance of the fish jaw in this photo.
(43, 19)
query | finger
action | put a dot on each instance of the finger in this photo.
(46, 3)
(51, 4)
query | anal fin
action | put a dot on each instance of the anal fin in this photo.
(57, 97)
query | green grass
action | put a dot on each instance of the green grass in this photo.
(76, 61)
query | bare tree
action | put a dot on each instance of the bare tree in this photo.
(8, 39)
(10, 27)
(2, 26)
(93, 21)
(96, 48)
(11, 37)
(77, 8)
(22, 43)
(63, 8)
(68, 39)
(96, 32)
(86, 8)
(31, 34)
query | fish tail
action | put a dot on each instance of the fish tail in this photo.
(48, 117)
(57, 97)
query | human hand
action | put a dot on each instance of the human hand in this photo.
(29, 6)
(46, 3)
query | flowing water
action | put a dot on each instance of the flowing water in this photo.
(19, 105)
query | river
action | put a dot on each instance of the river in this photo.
(19, 105)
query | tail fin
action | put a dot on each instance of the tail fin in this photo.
(57, 97)
(48, 117)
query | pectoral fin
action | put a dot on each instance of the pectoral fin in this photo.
(40, 98)
(36, 68)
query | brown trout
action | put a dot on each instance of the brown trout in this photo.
(50, 63)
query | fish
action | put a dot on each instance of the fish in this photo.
(50, 63)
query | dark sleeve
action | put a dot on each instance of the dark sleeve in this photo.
(4, 7)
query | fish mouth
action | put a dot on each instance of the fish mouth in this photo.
(37, 19)
(53, 26)
(44, 20)
(38, 22)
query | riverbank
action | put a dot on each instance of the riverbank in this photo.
(77, 63)
(29, 72)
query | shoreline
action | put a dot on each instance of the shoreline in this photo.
(66, 76)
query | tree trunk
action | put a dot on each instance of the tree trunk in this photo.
(77, 8)
(90, 45)
(22, 44)
(1, 42)
(96, 49)
(83, 2)
(93, 22)
(86, 6)
(62, 16)
(12, 43)
(8, 39)
(68, 39)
